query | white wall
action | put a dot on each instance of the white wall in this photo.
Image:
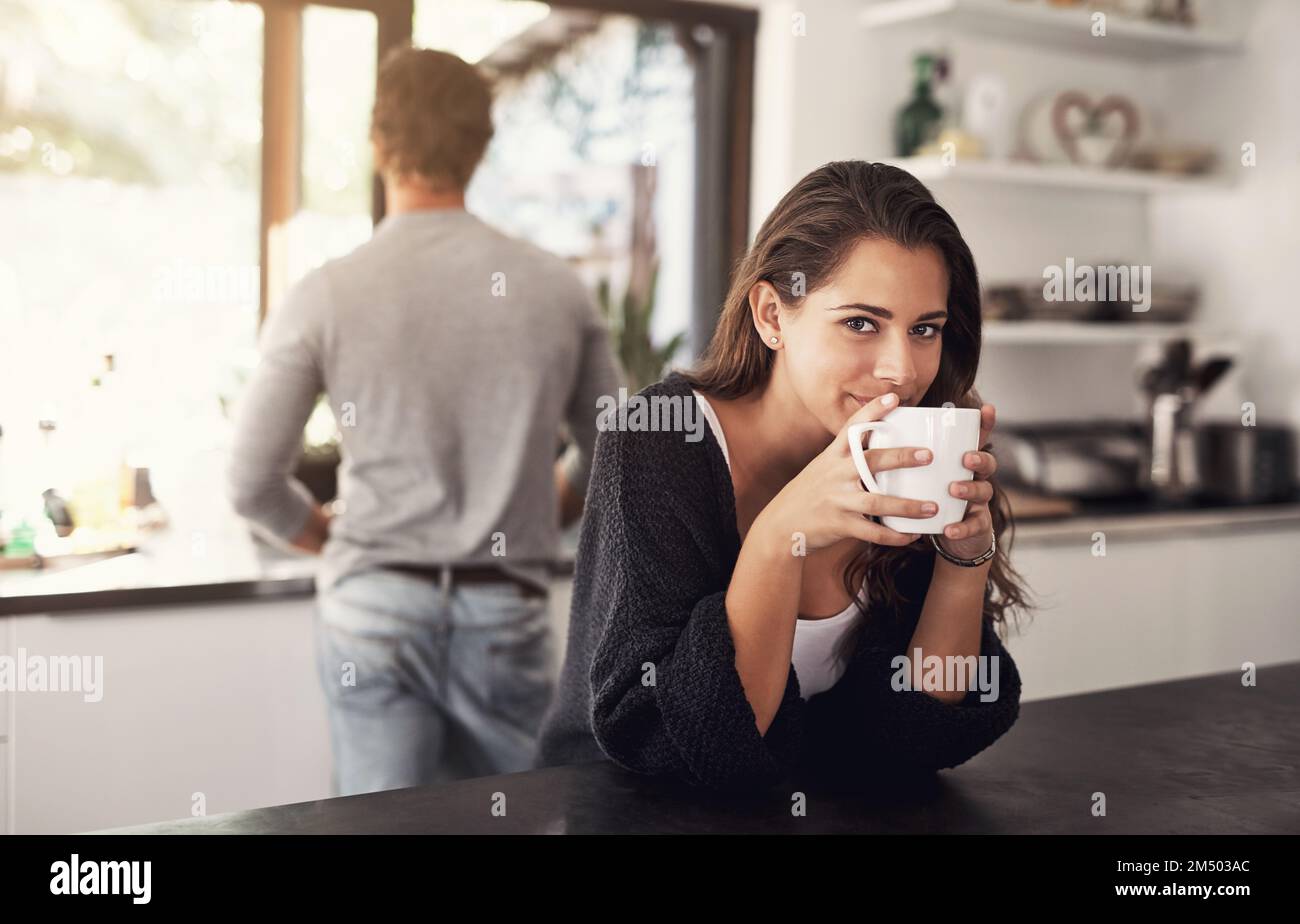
(1245, 246)
(832, 93)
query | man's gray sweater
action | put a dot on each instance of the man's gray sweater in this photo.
(451, 354)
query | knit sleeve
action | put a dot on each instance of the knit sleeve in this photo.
(863, 725)
(666, 696)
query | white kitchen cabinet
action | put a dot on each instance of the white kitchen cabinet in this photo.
(5, 622)
(5, 702)
(220, 699)
(4, 788)
(1157, 607)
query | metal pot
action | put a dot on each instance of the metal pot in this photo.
(1246, 465)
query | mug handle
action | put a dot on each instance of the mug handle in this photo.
(859, 454)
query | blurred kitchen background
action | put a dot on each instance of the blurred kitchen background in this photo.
(169, 168)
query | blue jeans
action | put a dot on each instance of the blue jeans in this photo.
(427, 681)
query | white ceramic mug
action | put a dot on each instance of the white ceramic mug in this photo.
(948, 432)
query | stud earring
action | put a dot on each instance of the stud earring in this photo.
(773, 339)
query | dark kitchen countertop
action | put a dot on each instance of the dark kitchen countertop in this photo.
(170, 567)
(1139, 517)
(173, 568)
(1198, 756)
(235, 566)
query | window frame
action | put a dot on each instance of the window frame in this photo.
(723, 151)
(282, 85)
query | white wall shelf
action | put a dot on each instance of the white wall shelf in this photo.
(1035, 22)
(1060, 176)
(1083, 332)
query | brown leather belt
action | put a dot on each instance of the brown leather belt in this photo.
(471, 574)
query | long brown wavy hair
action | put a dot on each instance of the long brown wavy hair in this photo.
(811, 232)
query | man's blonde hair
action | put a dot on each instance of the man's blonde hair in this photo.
(432, 118)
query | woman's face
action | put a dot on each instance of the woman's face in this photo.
(875, 326)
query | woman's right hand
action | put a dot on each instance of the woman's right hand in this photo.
(826, 502)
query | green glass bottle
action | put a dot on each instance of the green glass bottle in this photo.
(919, 120)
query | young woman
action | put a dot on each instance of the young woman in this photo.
(737, 615)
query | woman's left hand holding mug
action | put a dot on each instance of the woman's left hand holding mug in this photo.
(972, 536)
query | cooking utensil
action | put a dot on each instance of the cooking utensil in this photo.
(1210, 371)
(1246, 465)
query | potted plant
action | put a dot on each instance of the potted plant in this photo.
(629, 320)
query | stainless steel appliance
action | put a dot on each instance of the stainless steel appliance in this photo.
(1171, 468)
(1246, 464)
(1092, 460)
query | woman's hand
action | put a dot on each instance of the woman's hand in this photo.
(973, 535)
(826, 501)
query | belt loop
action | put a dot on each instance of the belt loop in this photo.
(444, 580)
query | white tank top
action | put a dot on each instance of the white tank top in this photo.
(814, 639)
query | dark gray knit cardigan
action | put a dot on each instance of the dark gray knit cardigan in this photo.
(658, 546)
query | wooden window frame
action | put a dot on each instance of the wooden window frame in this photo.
(723, 160)
(281, 187)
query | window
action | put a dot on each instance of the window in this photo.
(593, 153)
(338, 91)
(130, 142)
(169, 168)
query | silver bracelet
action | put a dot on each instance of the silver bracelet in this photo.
(966, 562)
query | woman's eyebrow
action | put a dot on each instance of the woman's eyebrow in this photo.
(885, 312)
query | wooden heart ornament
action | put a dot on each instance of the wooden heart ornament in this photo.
(1091, 144)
